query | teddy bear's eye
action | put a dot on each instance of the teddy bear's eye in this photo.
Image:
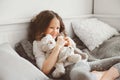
(50, 42)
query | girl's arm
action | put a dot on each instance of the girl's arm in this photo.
(51, 60)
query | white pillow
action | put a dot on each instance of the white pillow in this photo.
(5, 47)
(14, 67)
(93, 32)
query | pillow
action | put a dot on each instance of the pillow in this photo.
(93, 32)
(24, 49)
(5, 47)
(14, 67)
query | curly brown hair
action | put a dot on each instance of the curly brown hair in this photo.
(40, 23)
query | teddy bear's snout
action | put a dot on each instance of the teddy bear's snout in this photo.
(71, 48)
(50, 42)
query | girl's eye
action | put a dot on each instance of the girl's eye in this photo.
(51, 27)
(58, 27)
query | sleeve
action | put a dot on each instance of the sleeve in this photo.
(39, 55)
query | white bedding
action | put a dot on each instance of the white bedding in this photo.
(14, 67)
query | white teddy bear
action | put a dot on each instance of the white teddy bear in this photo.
(66, 56)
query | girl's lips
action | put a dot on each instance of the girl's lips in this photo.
(54, 36)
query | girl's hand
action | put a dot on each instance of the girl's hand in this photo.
(60, 41)
(67, 41)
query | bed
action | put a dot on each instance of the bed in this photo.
(15, 67)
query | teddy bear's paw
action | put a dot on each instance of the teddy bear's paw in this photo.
(56, 74)
(74, 58)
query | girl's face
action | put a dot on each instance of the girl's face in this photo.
(53, 28)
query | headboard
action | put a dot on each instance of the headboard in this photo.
(12, 31)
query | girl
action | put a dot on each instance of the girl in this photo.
(49, 22)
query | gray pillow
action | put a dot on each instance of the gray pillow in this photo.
(25, 49)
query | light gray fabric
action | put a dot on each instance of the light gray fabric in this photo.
(109, 48)
(81, 71)
(104, 64)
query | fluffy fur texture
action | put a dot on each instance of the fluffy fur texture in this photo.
(66, 56)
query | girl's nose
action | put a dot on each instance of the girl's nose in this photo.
(55, 30)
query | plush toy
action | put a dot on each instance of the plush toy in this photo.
(66, 56)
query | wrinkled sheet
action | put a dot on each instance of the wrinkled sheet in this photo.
(109, 48)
